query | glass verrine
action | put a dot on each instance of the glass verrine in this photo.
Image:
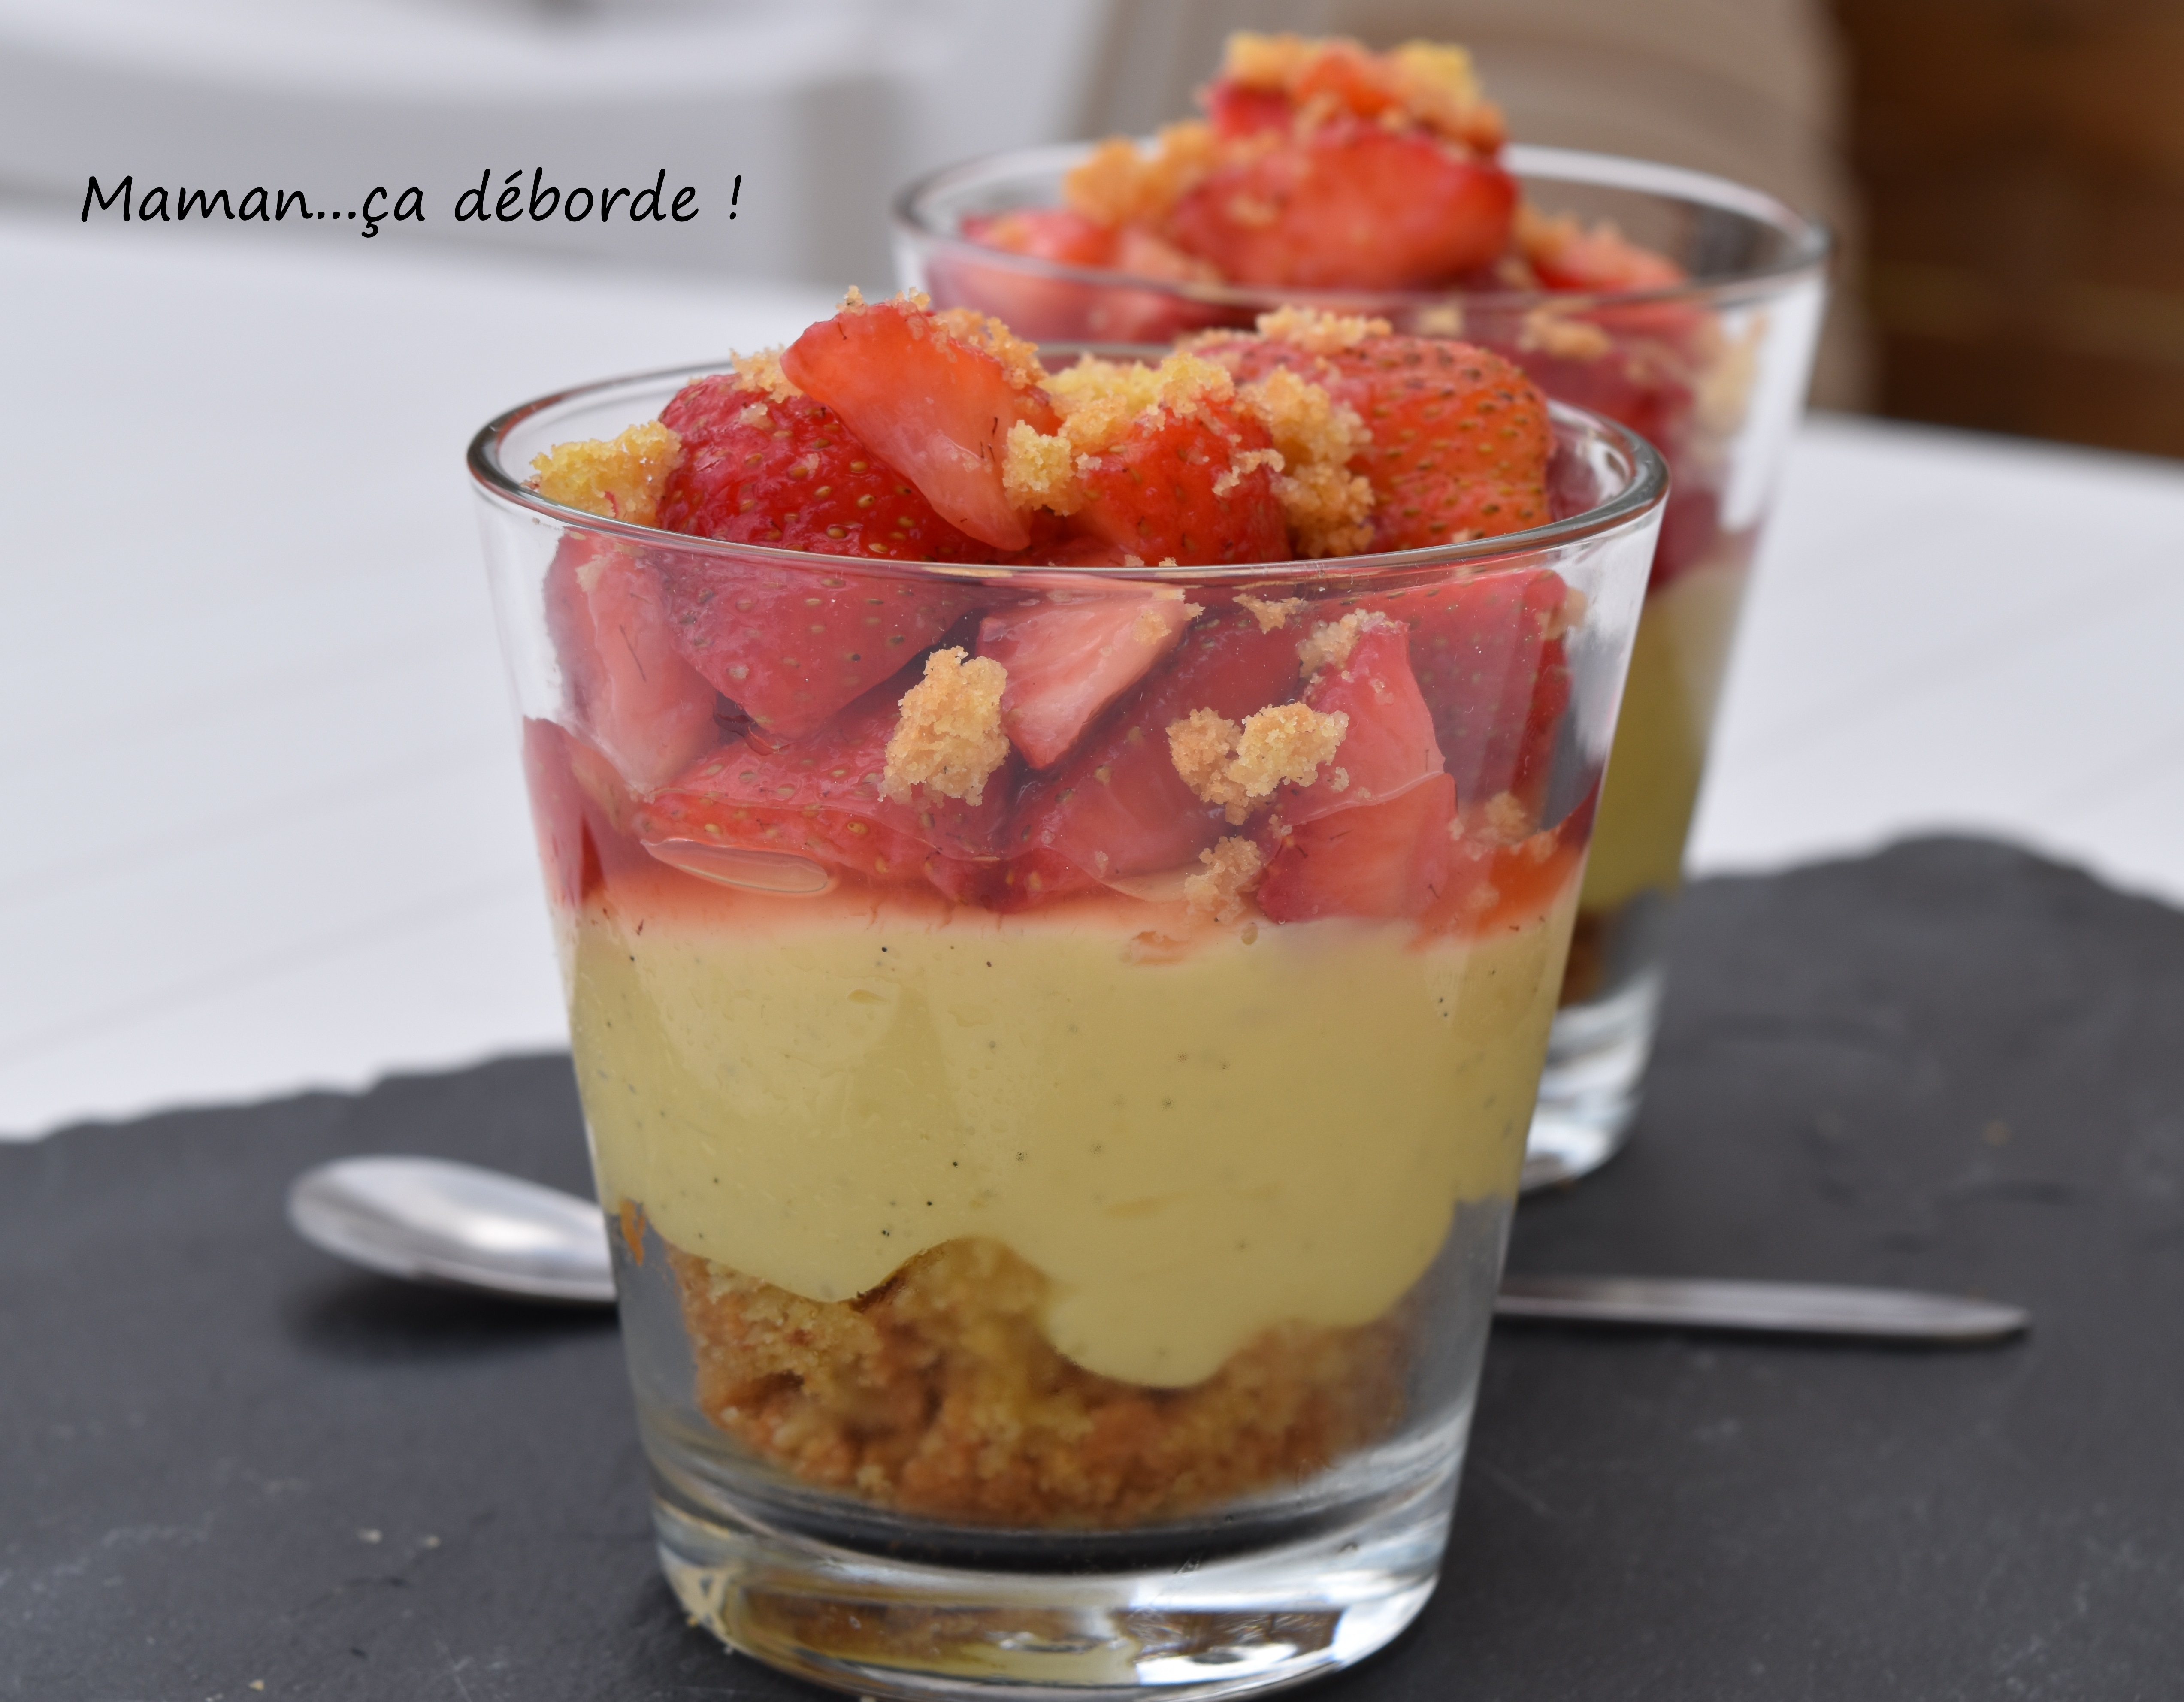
(1050, 1256)
(1713, 372)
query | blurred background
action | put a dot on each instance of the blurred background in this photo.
(273, 836)
(2008, 175)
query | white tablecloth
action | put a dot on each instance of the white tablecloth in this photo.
(264, 826)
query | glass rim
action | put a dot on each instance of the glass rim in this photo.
(1812, 243)
(1646, 488)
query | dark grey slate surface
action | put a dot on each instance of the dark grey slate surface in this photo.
(225, 1460)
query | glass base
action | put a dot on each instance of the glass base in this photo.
(1588, 1091)
(1185, 1623)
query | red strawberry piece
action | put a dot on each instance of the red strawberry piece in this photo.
(1496, 684)
(1598, 258)
(792, 645)
(579, 811)
(1116, 807)
(1048, 233)
(1389, 747)
(1461, 440)
(758, 469)
(1348, 204)
(1070, 654)
(1236, 110)
(626, 687)
(1384, 860)
(1169, 490)
(935, 407)
(820, 797)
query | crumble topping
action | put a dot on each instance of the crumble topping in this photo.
(762, 371)
(1099, 401)
(1155, 626)
(1550, 330)
(1018, 358)
(1233, 867)
(1504, 821)
(1326, 504)
(1317, 331)
(1272, 612)
(1117, 184)
(938, 1393)
(949, 738)
(620, 479)
(1567, 614)
(1330, 644)
(1238, 768)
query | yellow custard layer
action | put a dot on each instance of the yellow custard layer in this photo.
(1660, 749)
(1193, 1139)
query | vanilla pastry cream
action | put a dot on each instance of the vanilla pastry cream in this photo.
(1193, 1138)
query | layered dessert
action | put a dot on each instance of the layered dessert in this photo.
(1057, 930)
(1323, 170)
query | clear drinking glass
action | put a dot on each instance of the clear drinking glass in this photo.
(1038, 1279)
(1714, 373)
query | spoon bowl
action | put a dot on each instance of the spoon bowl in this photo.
(435, 1220)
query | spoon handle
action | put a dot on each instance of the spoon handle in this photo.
(1803, 1309)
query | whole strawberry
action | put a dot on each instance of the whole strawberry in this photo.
(1460, 437)
(770, 466)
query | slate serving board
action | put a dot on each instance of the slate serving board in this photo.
(230, 1468)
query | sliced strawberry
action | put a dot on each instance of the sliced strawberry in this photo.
(1170, 489)
(1496, 684)
(1349, 204)
(1389, 747)
(1048, 233)
(1116, 807)
(1071, 654)
(579, 811)
(1384, 860)
(626, 689)
(1570, 256)
(793, 645)
(935, 407)
(758, 469)
(1236, 110)
(820, 797)
(1461, 440)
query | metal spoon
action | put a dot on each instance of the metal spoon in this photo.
(434, 1221)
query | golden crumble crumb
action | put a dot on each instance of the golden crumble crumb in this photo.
(1327, 505)
(1272, 612)
(1099, 402)
(1439, 85)
(1316, 331)
(1253, 61)
(1329, 643)
(1505, 819)
(1238, 768)
(1018, 358)
(1119, 184)
(1156, 625)
(938, 1392)
(949, 738)
(620, 478)
(762, 372)
(1242, 465)
(1567, 614)
(1040, 471)
(1233, 867)
(1550, 330)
